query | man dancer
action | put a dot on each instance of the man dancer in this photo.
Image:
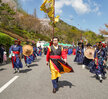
(98, 64)
(16, 49)
(79, 54)
(57, 65)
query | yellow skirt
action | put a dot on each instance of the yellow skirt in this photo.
(54, 72)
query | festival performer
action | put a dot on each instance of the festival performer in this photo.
(35, 51)
(86, 61)
(15, 52)
(74, 51)
(28, 58)
(40, 51)
(33, 56)
(45, 50)
(107, 55)
(57, 65)
(79, 54)
(69, 50)
(99, 63)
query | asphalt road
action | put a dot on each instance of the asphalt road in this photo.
(35, 83)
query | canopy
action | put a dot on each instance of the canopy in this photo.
(47, 44)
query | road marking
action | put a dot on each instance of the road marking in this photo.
(8, 83)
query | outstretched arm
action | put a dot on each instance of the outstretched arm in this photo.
(64, 55)
(48, 56)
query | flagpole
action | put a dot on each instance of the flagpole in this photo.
(53, 17)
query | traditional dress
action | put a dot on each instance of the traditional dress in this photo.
(97, 65)
(79, 55)
(69, 51)
(28, 59)
(74, 51)
(45, 50)
(40, 51)
(16, 59)
(34, 52)
(87, 61)
(57, 65)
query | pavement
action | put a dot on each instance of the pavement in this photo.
(35, 83)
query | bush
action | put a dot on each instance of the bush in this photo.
(6, 40)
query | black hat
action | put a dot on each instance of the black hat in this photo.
(79, 43)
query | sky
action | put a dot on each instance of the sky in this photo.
(84, 14)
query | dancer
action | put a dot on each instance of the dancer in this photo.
(16, 51)
(99, 63)
(79, 54)
(57, 65)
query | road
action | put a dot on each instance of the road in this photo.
(35, 83)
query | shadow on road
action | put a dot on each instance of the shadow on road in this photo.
(25, 71)
(33, 65)
(2, 69)
(37, 60)
(95, 77)
(65, 83)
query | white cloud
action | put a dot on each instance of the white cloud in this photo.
(96, 7)
(79, 6)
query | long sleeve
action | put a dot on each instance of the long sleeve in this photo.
(63, 54)
(77, 49)
(104, 55)
(48, 55)
(50, 43)
(21, 49)
(95, 54)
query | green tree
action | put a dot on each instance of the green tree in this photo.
(6, 15)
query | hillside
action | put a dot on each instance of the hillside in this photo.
(17, 23)
(68, 34)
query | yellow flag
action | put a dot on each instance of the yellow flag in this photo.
(43, 7)
(56, 19)
(48, 7)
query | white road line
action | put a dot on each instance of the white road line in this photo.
(8, 83)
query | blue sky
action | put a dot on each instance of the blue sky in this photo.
(84, 14)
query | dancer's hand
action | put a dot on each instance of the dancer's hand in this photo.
(65, 60)
(46, 63)
(104, 62)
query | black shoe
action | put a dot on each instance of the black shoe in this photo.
(28, 66)
(100, 81)
(54, 90)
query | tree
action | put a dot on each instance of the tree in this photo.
(6, 15)
(92, 37)
(103, 31)
(29, 23)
